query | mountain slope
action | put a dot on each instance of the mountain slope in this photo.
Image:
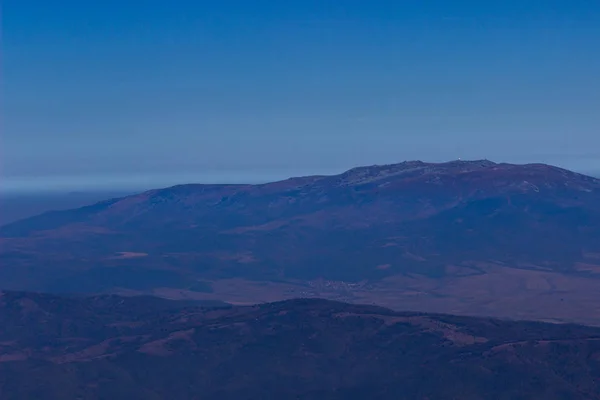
(119, 348)
(412, 219)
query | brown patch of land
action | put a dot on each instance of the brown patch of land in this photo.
(448, 331)
(496, 291)
(412, 256)
(129, 254)
(94, 351)
(263, 227)
(594, 256)
(594, 268)
(243, 258)
(161, 347)
(76, 231)
(13, 357)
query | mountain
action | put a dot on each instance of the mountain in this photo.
(16, 206)
(109, 347)
(448, 237)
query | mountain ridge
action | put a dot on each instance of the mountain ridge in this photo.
(357, 176)
(53, 347)
(412, 223)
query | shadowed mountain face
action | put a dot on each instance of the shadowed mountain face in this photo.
(413, 220)
(142, 348)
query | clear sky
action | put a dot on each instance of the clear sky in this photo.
(150, 93)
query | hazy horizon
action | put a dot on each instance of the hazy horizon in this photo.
(125, 183)
(112, 95)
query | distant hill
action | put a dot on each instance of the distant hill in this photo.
(477, 226)
(142, 348)
(16, 206)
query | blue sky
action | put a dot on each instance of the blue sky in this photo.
(121, 93)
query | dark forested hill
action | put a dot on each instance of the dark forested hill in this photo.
(110, 347)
